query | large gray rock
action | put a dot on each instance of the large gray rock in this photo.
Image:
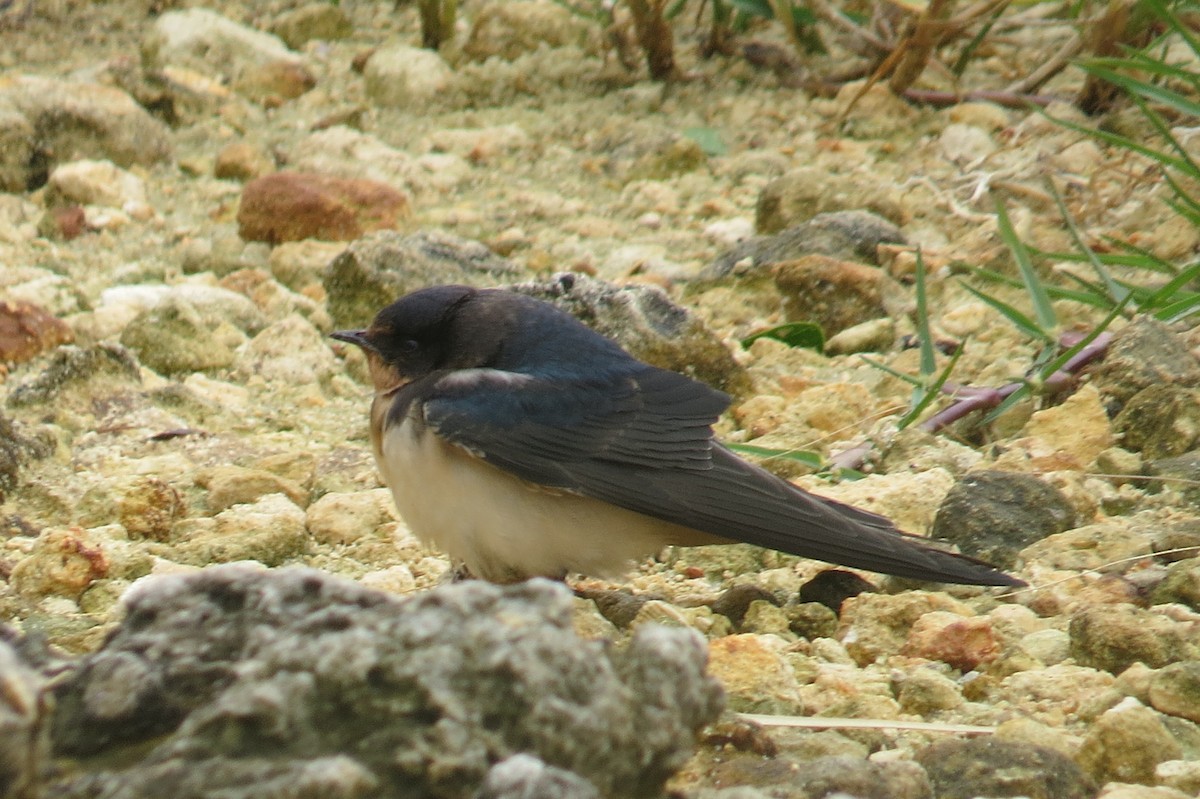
(255, 63)
(63, 120)
(23, 740)
(235, 681)
(377, 269)
(848, 235)
(399, 76)
(644, 321)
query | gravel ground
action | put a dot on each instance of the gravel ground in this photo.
(172, 400)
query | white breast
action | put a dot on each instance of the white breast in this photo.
(505, 529)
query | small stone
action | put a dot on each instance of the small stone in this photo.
(290, 206)
(756, 677)
(405, 77)
(1117, 790)
(964, 643)
(291, 351)
(1028, 731)
(74, 371)
(28, 330)
(148, 507)
(324, 21)
(701, 619)
(960, 769)
(964, 144)
(764, 617)
(301, 265)
(1145, 353)
(1080, 158)
(874, 335)
(1113, 637)
(877, 625)
(95, 183)
(1126, 744)
(242, 161)
(832, 587)
(511, 28)
(988, 116)
(1181, 775)
(274, 82)
(1048, 647)
(270, 530)
(1160, 421)
(524, 776)
(799, 195)
(811, 620)
(924, 691)
(1175, 690)
(847, 776)
(1182, 584)
(736, 600)
(993, 515)
(1078, 427)
(174, 337)
(343, 518)
(63, 562)
(236, 485)
(834, 294)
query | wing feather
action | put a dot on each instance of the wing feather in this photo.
(642, 439)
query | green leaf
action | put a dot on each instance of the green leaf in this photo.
(930, 392)
(1043, 310)
(1115, 292)
(916, 382)
(795, 334)
(1020, 320)
(803, 456)
(709, 140)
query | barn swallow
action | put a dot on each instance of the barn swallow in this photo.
(522, 443)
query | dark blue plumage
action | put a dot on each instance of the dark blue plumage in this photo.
(536, 395)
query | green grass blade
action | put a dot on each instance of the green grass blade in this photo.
(1170, 291)
(1115, 293)
(803, 456)
(1148, 91)
(924, 332)
(1046, 318)
(883, 367)
(931, 392)
(1020, 320)
(1123, 142)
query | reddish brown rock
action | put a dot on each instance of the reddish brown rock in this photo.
(291, 206)
(63, 562)
(962, 642)
(27, 330)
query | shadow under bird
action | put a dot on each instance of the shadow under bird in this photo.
(522, 443)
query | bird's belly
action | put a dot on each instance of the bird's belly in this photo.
(504, 528)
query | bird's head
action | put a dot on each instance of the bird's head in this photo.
(414, 336)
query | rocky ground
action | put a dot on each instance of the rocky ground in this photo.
(193, 198)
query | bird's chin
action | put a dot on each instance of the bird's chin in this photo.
(386, 379)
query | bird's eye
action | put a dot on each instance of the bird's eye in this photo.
(409, 345)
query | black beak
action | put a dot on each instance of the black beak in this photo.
(355, 337)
